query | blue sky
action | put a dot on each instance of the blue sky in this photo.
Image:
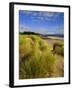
(41, 22)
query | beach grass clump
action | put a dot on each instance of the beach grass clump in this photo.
(58, 48)
(36, 59)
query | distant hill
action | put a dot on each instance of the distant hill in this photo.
(43, 35)
(27, 32)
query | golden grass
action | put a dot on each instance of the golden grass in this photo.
(36, 58)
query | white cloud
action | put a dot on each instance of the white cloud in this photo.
(23, 28)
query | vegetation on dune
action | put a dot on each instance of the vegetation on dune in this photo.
(36, 58)
(58, 48)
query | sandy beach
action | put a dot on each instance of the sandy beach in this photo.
(52, 40)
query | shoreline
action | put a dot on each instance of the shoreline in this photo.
(54, 38)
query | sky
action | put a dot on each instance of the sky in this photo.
(43, 22)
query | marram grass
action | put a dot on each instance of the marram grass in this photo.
(36, 58)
